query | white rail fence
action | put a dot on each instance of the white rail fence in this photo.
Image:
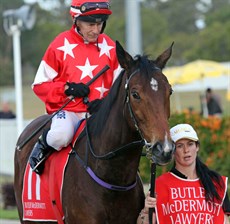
(8, 139)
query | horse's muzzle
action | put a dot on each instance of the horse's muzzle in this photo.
(161, 153)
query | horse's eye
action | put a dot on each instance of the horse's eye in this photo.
(135, 95)
(171, 91)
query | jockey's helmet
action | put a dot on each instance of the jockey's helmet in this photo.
(90, 10)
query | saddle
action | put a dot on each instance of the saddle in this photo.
(41, 196)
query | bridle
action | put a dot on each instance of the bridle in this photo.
(116, 151)
(146, 144)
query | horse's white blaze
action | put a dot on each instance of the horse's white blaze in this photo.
(154, 84)
(166, 145)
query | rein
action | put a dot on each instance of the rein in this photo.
(106, 156)
(148, 146)
(152, 189)
(99, 180)
(115, 152)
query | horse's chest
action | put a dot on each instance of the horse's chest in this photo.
(103, 210)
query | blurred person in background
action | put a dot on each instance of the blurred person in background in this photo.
(6, 112)
(213, 101)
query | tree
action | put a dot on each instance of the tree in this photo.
(212, 42)
(33, 42)
(179, 14)
(162, 23)
(6, 64)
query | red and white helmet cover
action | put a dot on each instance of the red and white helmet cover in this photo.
(89, 7)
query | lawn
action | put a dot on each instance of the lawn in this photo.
(9, 213)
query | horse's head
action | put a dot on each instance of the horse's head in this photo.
(148, 102)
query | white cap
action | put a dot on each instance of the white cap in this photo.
(183, 131)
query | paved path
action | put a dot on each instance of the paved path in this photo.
(3, 221)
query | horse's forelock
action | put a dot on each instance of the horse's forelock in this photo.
(146, 65)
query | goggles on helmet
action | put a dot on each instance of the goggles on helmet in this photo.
(89, 6)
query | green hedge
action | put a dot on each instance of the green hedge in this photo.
(214, 136)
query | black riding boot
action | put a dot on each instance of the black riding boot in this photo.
(39, 154)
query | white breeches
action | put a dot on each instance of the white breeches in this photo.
(63, 127)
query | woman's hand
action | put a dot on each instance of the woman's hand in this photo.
(226, 219)
(150, 202)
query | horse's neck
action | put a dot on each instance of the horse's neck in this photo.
(115, 135)
(118, 130)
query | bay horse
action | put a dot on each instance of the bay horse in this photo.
(133, 115)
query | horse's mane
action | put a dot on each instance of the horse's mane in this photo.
(96, 121)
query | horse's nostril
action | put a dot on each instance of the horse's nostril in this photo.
(161, 153)
(159, 147)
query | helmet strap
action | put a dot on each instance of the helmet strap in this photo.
(103, 27)
(75, 20)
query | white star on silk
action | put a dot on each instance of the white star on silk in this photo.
(87, 69)
(116, 73)
(102, 90)
(67, 48)
(104, 48)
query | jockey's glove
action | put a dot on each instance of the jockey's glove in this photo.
(77, 89)
(94, 106)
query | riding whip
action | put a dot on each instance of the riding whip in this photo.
(152, 189)
(50, 118)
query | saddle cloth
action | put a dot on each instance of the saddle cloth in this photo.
(41, 195)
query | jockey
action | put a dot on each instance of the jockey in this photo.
(72, 59)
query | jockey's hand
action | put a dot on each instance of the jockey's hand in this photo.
(77, 89)
(94, 105)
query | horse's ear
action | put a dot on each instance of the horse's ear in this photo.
(163, 58)
(125, 60)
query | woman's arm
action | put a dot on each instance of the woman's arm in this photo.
(143, 217)
(226, 219)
